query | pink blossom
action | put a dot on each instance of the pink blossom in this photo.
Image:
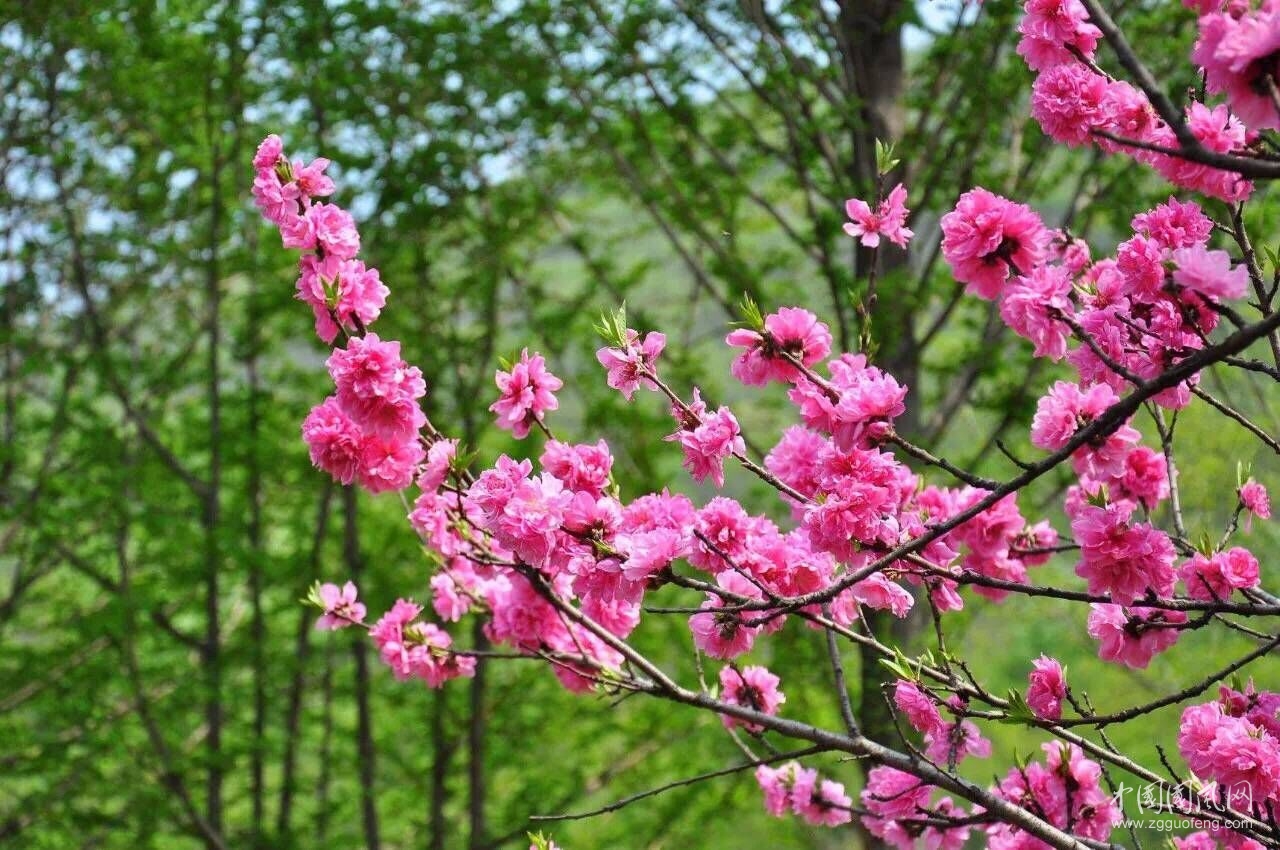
(1034, 305)
(721, 634)
(955, 742)
(1050, 27)
(878, 592)
(792, 459)
(335, 230)
(1126, 560)
(278, 202)
(449, 596)
(790, 331)
(1217, 130)
(377, 389)
(311, 179)
(820, 802)
(269, 152)
(1174, 224)
(1046, 688)
(333, 440)
(866, 402)
(530, 517)
(1133, 636)
(387, 465)
(888, 220)
(891, 794)
(440, 460)
(389, 636)
(751, 687)
(582, 467)
(1068, 102)
(708, 442)
(1065, 410)
(1216, 577)
(1209, 273)
(1238, 54)
(526, 393)
(298, 232)
(918, 706)
(1145, 479)
(1066, 790)
(346, 287)
(1254, 499)
(627, 366)
(776, 785)
(341, 607)
(986, 238)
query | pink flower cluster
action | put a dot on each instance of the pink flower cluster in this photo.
(558, 562)
(1065, 790)
(1075, 103)
(1234, 741)
(898, 811)
(367, 432)
(340, 290)
(821, 802)
(415, 649)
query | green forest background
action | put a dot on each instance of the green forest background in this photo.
(516, 167)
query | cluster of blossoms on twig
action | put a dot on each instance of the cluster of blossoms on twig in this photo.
(558, 562)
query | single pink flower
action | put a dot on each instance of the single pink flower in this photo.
(793, 333)
(1046, 688)
(751, 687)
(888, 220)
(526, 393)
(987, 238)
(627, 366)
(341, 607)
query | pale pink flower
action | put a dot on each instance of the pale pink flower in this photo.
(888, 220)
(627, 366)
(341, 607)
